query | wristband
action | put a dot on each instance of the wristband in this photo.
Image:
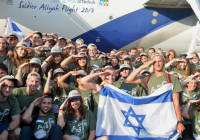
(60, 109)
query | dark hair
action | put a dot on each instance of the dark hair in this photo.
(71, 112)
(3, 67)
(48, 96)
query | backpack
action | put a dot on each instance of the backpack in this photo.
(168, 77)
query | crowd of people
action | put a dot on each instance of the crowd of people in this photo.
(50, 85)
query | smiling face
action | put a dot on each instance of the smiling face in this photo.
(57, 58)
(6, 87)
(192, 85)
(21, 52)
(3, 45)
(46, 105)
(75, 103)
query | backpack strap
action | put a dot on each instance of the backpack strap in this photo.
(147, 80)
(169, 77)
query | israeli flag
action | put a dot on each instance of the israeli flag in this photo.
(195, 4)
(12, 28)
(124, 117)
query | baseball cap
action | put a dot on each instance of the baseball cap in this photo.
(10, 77)
(126, 57)
(83, 46)
(81, 73)
(82, 54)
(74, 94)
(143, 54)
(12, 34)
(35, 61)
(58, 70)
(56, 50)
(125, 66)
(33, 74)
(37, 32)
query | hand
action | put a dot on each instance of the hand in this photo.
(180, 128)
(10, 54)
(194, 102)
(50, 58)
(37, 101)
(23, 65)
(64, 104)
(4, 135)
(50, 73)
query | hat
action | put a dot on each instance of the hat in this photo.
(82, 54)
(125, 66)
(102, 56)
(189, 79)
(35, 61)
(144, 71)
(83, 46)
(21, 43)
(37, 32)
(58, 70)
(56, 50)
(81, 73)
(10, 77)
(126, 57)
(46, 48)
(33, 74)
(61, 38)
(74, 93)
(12, 34)
(143, 54)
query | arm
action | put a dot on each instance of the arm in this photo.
(185, 112)
(89, 83)
(4, 28)
(61, 81)
(45, 63)
(132, 78)
(66, 61)
(92, 135)
(180, 126)
(19, 73)
(61, 121)
(27, 116)
(47, 89)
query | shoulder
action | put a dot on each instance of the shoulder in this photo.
(19, 91)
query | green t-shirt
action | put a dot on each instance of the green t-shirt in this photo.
(195, 117)
(43, 125)
(126, 87)
(24, 98)
(156, 82)
(58, 99)
(95, 64)
(8, 108)
(194, 67)
(80, 128)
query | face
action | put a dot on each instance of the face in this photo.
(125, 72)
(2, 73)
(192, 85)
(33, 83)
(75, 103)
(133, 53)
(82, 61)
(79, 43)
(112, 53)
(83, 49)
(114, 62)
(35, 68)
(92, 52)
(46, 105)
(171, 55)
(57, 58)
(109, 79)
(21, 52)
(71, 50)
(150, 52)
(158, 64)
(36, 40)
(3, 45)
(183, 64)
(58, 76)
(195, 59)
(62, 42)
(127, 61)
(140, 50)
(6, 87)
(144, 59)
(12, 40)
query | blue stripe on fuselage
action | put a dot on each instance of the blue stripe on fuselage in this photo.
(133, 26)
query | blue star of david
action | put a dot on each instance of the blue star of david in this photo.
(139, 119)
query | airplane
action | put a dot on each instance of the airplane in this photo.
(110, 24)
